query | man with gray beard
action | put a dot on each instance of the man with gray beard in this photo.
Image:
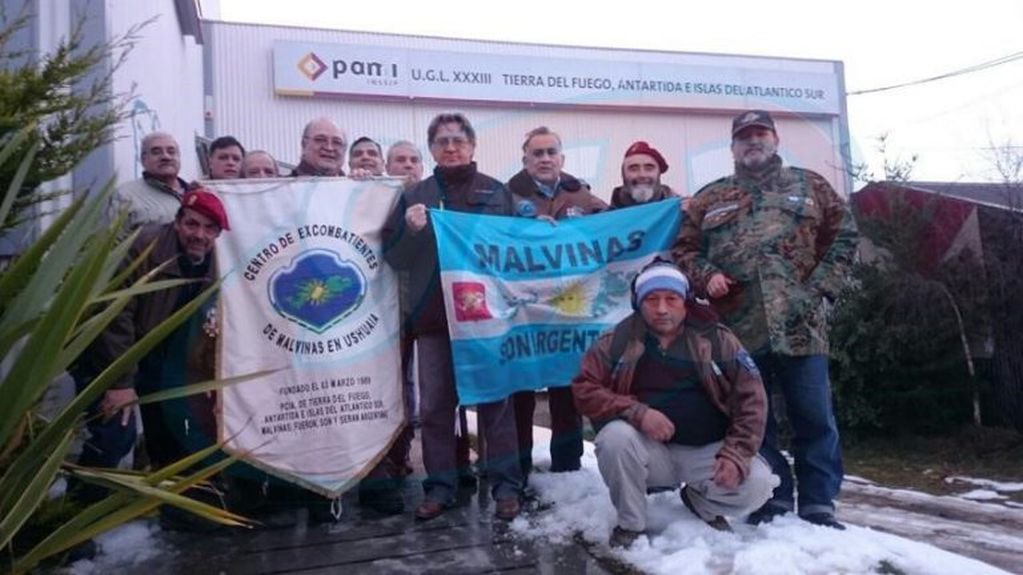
(641, 177)
(770, 247)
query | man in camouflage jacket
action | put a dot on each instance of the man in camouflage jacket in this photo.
(770, 245)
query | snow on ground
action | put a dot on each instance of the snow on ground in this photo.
(997, 486)
(982, 495)
(122, 548)
(679, 543)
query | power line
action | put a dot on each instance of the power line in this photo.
(960, 72)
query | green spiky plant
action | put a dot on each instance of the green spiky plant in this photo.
(55, 299)
(58, 295)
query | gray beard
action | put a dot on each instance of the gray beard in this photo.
(642, 194)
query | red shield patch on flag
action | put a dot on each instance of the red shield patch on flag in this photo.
(470, 299)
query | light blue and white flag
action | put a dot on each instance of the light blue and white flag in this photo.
(525, 298)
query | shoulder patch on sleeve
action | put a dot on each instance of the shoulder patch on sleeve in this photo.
(744, 359)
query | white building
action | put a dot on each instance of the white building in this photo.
(261, 84)
(264, 82)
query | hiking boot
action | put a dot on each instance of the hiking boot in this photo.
(765, 514)
(429, 509)
(824, 520)
(719, 523)
(622, 538)
(507, 508)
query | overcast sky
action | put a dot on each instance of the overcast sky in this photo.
(950, 124)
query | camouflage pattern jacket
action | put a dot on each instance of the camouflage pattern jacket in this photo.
(786, 238)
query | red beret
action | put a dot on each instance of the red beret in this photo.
(642, 147)
(207, 204)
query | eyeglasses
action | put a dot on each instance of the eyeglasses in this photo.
(539, 152)
(445, 141)
(322, 141)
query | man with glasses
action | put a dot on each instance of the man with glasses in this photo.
(323, 149)
(323, 155)
(454, 185)
(542, 189)
(642, 168)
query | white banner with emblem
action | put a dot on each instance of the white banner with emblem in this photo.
(306, 292)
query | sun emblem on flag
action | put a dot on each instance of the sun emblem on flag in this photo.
(573, 300)
(319, 292)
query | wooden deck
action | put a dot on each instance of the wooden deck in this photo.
(466, 539)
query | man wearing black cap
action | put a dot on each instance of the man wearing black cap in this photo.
(769, 246)
(642, 167)
(676, 399)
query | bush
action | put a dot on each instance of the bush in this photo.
(898, 362)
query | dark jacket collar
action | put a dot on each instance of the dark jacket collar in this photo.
(161, 185)
(523, 184)
(455, 175)
(306, 169)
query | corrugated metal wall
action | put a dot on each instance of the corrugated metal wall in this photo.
(241, 102)
(165, 69)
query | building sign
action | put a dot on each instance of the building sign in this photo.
(309, 69)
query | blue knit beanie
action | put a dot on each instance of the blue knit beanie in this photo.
(662, 276)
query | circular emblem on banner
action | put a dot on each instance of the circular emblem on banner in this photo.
(318, 289)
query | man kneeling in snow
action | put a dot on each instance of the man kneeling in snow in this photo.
(676, 399)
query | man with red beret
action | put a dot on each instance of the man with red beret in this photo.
(176, 428)
(641, 177)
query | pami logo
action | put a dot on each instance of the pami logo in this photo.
(363, 68)
(311, 66)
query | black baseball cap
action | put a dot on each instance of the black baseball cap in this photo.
(752, 118)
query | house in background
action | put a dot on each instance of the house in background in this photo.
(978, 220)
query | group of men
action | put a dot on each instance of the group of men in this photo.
(675, 394)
